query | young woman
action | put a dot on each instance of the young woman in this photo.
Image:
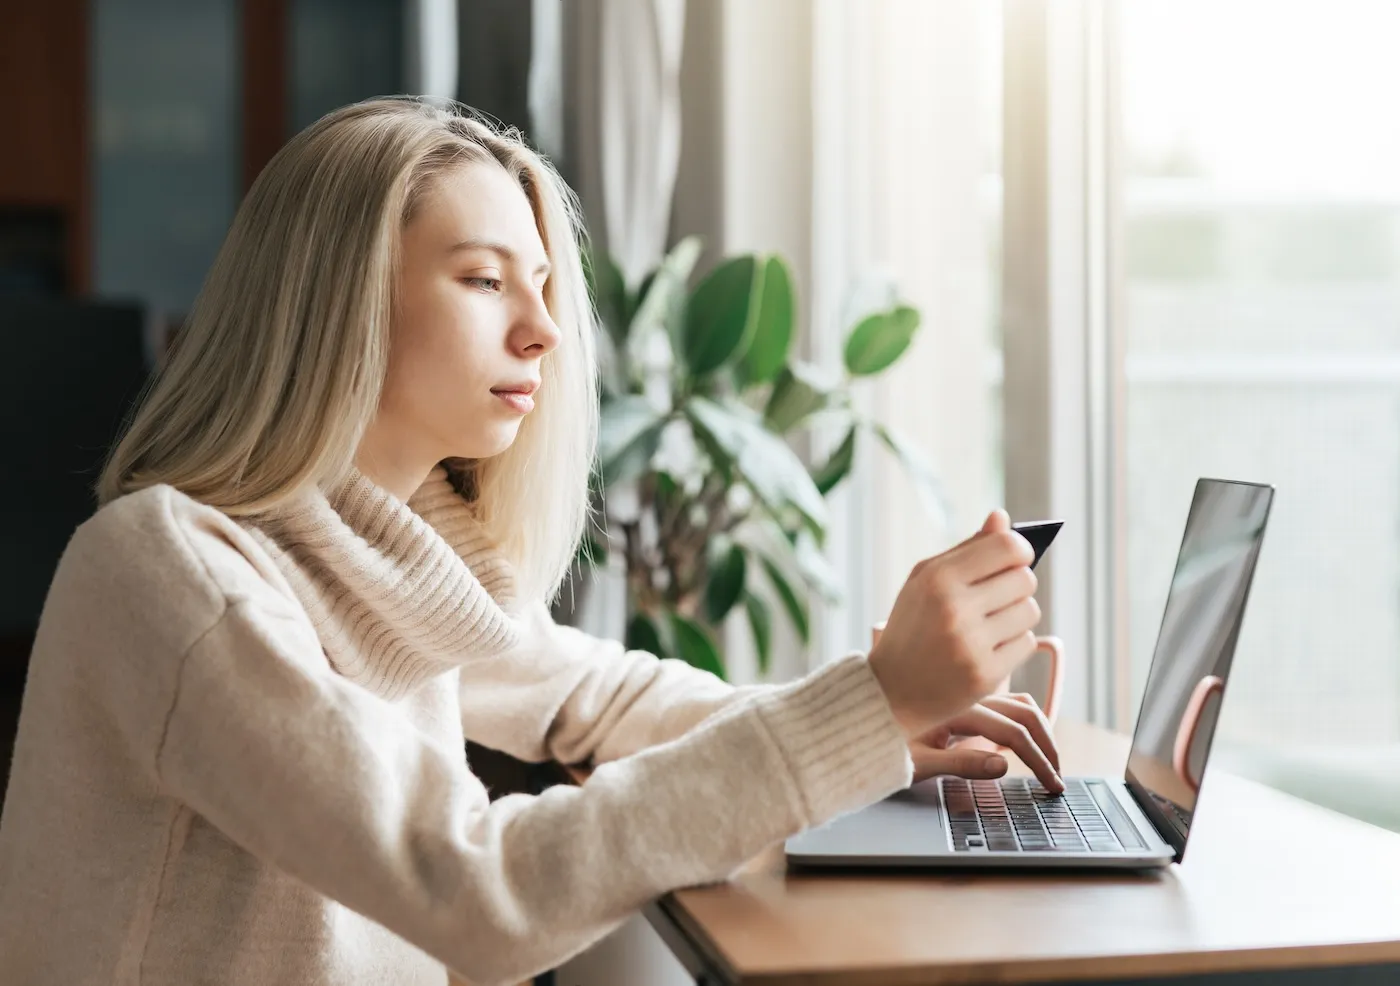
(323, 557)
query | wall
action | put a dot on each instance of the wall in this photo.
(45, 74)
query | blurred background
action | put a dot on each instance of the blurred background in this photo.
(1150, 240)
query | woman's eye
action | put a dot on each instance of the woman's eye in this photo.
(492, 284)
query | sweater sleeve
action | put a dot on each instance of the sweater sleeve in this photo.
(328, 782)
(564, 695)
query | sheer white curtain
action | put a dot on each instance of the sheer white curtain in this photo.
(641, 126)
(623, 98)
(942, 179)
(430, 47)
(906, 204)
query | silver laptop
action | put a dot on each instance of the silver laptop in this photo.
(1140, 821)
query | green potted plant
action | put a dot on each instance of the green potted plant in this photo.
(704, 498)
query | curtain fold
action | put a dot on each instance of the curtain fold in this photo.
(639, 91)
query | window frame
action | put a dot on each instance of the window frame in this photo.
(1062, 332)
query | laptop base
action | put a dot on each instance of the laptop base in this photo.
(916, 829)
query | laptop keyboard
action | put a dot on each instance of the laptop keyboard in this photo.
(1017, 814)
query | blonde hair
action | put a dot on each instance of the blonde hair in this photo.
(278, 370)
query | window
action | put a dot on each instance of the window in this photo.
(1259, 185)
(165, 146)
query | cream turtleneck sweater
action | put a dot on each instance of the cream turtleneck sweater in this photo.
(240, 757)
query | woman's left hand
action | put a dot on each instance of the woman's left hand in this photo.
(1013, 721)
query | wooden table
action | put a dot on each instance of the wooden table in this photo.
(1272, 891)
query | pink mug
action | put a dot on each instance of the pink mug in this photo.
(1053, 648)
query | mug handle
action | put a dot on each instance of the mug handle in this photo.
(1054, 649)
(1190, 724)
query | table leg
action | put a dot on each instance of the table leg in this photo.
(685, 951)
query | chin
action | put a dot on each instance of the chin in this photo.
(493, 444)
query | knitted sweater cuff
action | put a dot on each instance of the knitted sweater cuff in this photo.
(839, 737)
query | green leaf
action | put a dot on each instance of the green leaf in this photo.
(795, 605)
(720, 317)
(772, 469)
(693, 645)
(768, 349)
(838, 466)
(725, 585)
(880, 339)
(628, 434)
(920, 471)
(761, 623)
(797, 393)
(815, 569)
(634, 302)
(642, 635)
(609, 293)
(665, 488)
(720, 459)
(661, 300)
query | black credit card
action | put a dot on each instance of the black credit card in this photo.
(1039, 533)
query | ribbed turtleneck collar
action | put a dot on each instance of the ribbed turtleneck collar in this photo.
(398, 592)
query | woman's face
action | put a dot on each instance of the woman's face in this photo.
(471, 325)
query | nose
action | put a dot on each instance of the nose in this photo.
(534, 332)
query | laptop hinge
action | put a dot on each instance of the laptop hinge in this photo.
(1151, 812)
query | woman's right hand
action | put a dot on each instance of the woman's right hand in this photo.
(960, 625)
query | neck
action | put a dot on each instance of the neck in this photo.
(396, 467)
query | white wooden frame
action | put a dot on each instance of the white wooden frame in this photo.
(1062, 426)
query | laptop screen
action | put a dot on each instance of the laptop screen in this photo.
(1205, 607)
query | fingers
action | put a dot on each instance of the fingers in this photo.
(937, 738)
(990, 553)
(1013, 622)
(1016, 651)
(1019, 739)
(993, 549)
(974, 764)
(997, 520)
(1023, 709)
(1002, 590)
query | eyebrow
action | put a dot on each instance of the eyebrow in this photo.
(500, 249)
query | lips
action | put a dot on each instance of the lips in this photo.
(518, 396)
(526, 387)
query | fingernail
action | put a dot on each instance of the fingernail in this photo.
(994, 762)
